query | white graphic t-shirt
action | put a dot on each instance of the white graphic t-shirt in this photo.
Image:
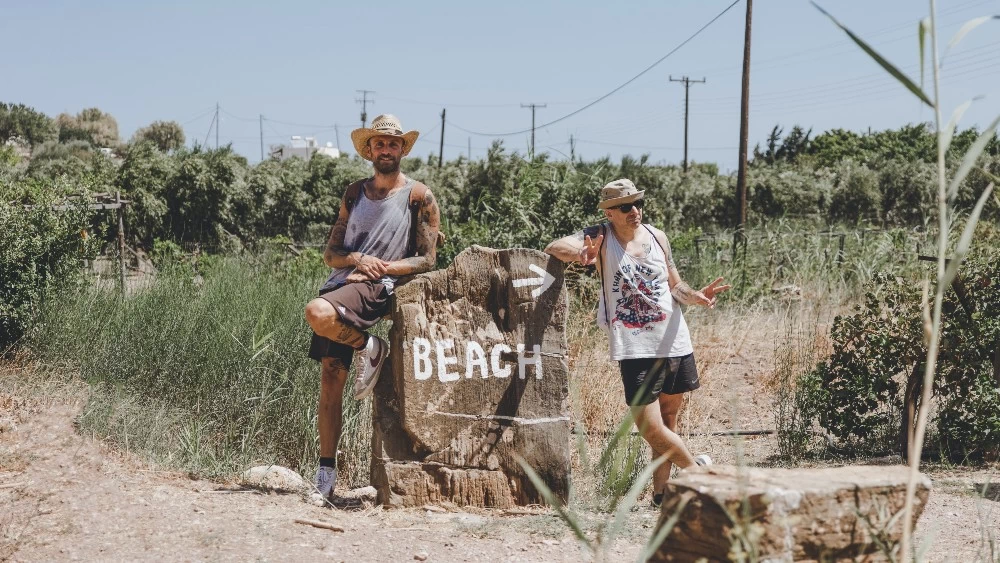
(643, 320)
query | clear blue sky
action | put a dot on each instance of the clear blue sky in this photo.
(300, 64)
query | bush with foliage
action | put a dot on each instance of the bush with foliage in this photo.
(18, 121)
(40, 255)
(91, 125)
(859, 398)
(166, 135)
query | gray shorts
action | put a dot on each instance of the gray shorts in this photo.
(360, 305)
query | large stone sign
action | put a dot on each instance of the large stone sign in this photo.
(825, 514)
(476, 376)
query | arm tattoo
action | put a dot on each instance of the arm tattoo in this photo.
(335, 244)
(670, 253)
(682, 292)
(428, 225)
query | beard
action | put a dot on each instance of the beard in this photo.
(386, 165)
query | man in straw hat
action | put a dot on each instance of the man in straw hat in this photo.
(387, 227)
(646, 330)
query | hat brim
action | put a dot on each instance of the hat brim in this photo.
(360, 138)
(616, 201)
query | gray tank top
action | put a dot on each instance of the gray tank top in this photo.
(380, 228)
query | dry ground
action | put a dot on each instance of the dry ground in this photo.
(69, 497)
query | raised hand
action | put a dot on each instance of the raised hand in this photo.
(712, 290)
(591, 247)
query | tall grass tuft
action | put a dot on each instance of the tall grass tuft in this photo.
(947, 190)
(209, 376)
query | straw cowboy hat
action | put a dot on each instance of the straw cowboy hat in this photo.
(619, 192)
(384, 124)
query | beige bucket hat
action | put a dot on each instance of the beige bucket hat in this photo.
(619, 192)
(385, 124)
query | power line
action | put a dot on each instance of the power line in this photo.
(651, 147)
(451, 105)
(687, 89)
(605, 96)
(199, 116)
(247, 119)
(533, 107)
(209, 132)
(364, 105)
(292, 124)
(851, 84)
(841, 47)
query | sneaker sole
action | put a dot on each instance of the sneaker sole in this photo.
(367, 390)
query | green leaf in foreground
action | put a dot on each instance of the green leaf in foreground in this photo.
(661, 534)
(969, 26)
(889, 67)
(963, 243)
(922, 28)
(971, 156)
(552, 500)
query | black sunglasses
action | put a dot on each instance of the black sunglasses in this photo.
(627, 207)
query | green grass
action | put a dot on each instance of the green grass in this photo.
(209, 377)
(208, 373)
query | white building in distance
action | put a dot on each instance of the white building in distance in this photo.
(304, 148)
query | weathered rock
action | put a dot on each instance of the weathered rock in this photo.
(274, 477)
(477, 377)
(825, 514)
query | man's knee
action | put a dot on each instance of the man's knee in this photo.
(320, 312)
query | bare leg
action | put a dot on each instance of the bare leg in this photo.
(331, 408)
(662, 440)
(325, 321)
(669, 407)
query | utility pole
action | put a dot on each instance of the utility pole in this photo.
(470, 149)
(441, 148)
(572, 149)
(336, 131)
(741, 175)
(216, 125)
(532, 106)
(687, 87)
(364, 101)
(262, 137)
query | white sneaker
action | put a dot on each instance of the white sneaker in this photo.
(703, 460)
(375, 354)
(325, 483)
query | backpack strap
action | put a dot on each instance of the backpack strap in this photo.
(602, 230)
(666, 253)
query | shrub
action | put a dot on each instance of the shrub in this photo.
(855, 195)
(877, 347)
(40, 253)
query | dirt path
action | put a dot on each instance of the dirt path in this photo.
(68, 497)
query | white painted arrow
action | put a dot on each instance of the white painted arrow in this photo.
(544, 280)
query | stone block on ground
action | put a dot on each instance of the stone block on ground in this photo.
(476, 377)
(825, 514)
(274, 477)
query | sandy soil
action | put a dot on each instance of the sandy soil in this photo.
(68, 497)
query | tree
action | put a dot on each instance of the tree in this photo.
(21, 121)
(91, 125)
(166, 135)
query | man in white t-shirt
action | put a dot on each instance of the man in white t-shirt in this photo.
(647, 334)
